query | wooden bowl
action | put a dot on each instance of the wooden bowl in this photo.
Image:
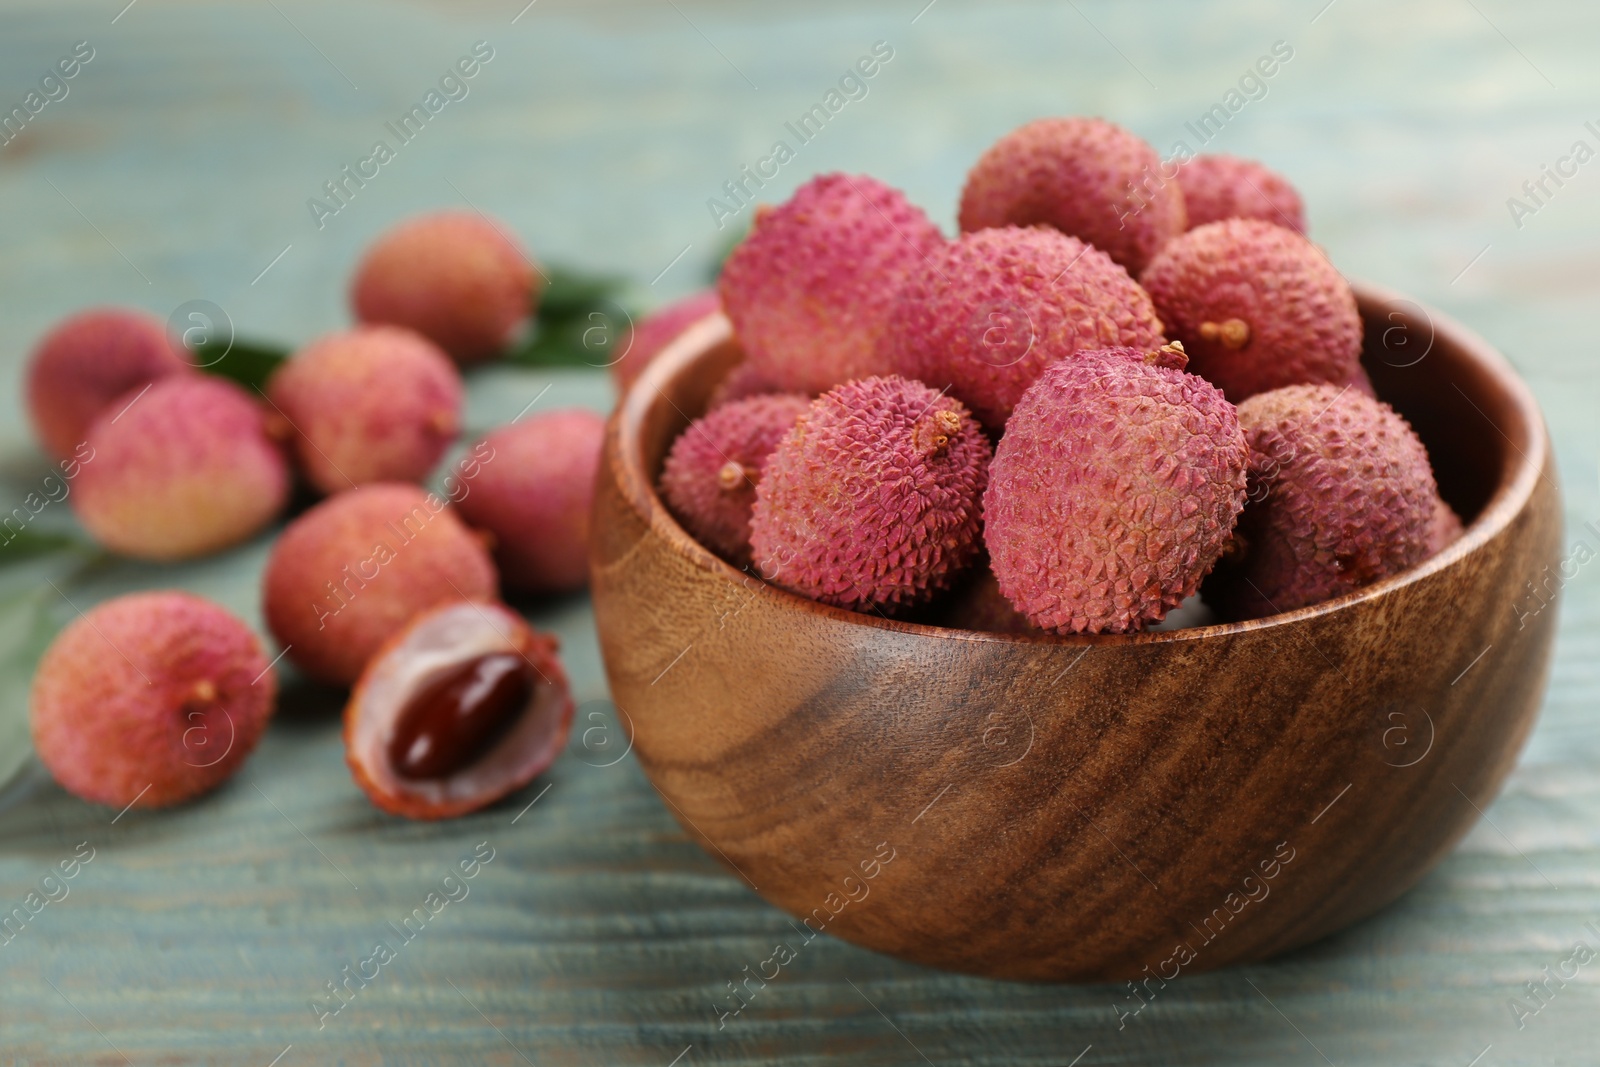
(1094, 807)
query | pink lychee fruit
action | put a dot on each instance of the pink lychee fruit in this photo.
(809, 290)
(180, 469)
(1445, 529)
(1113, 492)
(635, 348)
(743, 381)
(986, 314)
(976, 603)
(1217, 187)
(372, 404)
(872, 499)
(150, 699)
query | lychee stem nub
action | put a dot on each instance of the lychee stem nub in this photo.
(1233, 333)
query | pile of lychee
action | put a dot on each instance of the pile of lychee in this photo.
(378, 584)
(1113, 391)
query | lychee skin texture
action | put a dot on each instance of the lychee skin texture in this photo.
(183, 470)
(872, 500)
(745, 381)
(1341, 495)
(1113, 492)
(150, 699)
(454, 277)
(636, 348)
(710, 475)
(373, 404)
(532, 493)
(89, 360)
(1217, 187)
(1085, 177)
(354, 570)
(1445, 529)
(987, 314)
(809, 290)
(1256, 306)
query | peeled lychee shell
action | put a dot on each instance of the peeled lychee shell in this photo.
(353, 571)
(809, 290)
(1256, 306)
(1217, 187)
(150, 699)
(1085, 177)
(532, 494)
(1341, 495)
(637, 347)
(182, 470)
(373, 404)
(1113, 492)
(89, 360)
(872, 500)
(988, 313)
(437, 641)
(454, 277)
(710, 475)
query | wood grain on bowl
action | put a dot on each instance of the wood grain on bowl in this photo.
(1093, 807)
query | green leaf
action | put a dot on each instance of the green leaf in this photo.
(580, 318)
(28, 544)
(250, 363)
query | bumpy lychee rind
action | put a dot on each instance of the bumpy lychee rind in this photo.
(532, 493)
(872, 499)
(710, 475)
(182, 470)
(1445, 529)
(1256, 306)
(150, 699)
(354, 570)
(744, 381)
(809, 290)
(1217, 187)
(637, 347)
(1341, 496)
(1085, 177)
(89, 360)
(373, 404)
(454, 277)
(1113, 492)
(989, 312)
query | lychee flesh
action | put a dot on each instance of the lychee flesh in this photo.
(710, 476)
(1256, 306)
(435, 644)
(809, 290)
(150, 699)
(351, 572)
(532, 493)
(1085, 177)
(636, 348)
(872, 500)
(454, 277)
(89, 360)
(989, 312)
(373, 404)
(1113, 492)
(1217, 187)
(184, 469)
(1341, 496)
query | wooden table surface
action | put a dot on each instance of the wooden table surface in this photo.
(178, 167)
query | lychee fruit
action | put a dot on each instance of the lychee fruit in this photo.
(1361, 383)
(809, 290)
(461, 708)
(373, 404)
(1217, 187)
(710, 475)
(182, 469)
(454, 277)
(1113, 492)
(637, 347)
(1341, 495)
(532, 493)
(150, 699)
(1085, 177)
(89, 360)
(353, 571)
(872, 499)
(743, 381)
(1256, 307)
(989, 312)
(976, 603)
(1445, 529)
